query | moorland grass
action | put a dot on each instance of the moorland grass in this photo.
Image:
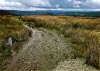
(83, 32)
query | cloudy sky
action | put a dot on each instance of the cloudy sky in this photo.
(49, 4)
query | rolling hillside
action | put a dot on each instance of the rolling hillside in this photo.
(51, 12)
(5, 12)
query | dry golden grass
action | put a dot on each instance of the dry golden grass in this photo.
(83, 32)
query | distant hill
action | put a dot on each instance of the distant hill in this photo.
(57, 12)
(51, 12)
(5, 12)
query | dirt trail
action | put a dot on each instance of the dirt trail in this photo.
(42, 52)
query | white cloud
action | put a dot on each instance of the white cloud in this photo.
(4, 3)
(57, 6)
(49, 4)
(69, 0)
(97, 1)
(19, 4)
(77, 3)
(34, 2)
